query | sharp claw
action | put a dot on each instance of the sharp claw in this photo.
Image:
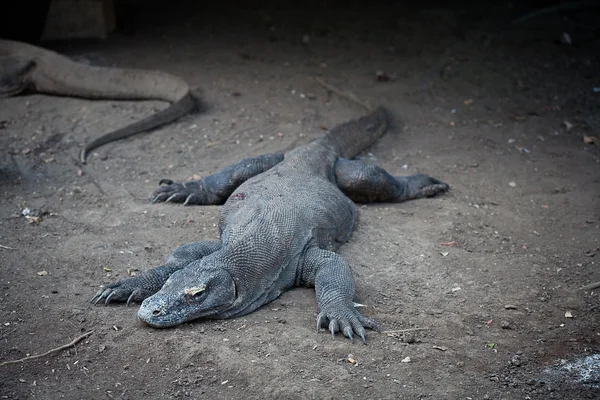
(332, 332)
(98, 297)
(130, 298)
(187, 200)
(362, 336)
(171, 198)
(348, 333)
(110, 296)
(159, 197)
(334, 326)
(319, 321)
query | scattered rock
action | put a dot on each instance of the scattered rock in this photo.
(505, 325)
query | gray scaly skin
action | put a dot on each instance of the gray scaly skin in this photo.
(24, 67)
(283, 218)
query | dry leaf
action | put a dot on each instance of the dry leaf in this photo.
(590, 140)
(33, 220)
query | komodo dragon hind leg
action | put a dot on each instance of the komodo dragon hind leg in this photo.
(139, 287)
(13, 75)
(365, 183)
(214, 189)
(334, 285)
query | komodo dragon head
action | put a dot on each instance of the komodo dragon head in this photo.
(14, 75)
(188, 294)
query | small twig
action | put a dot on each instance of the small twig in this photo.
(8, 334)
(591, 286)
(346, 95)
(63, 347)
(407, 330)
(6, 247)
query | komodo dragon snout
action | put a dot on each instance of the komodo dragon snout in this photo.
(187, 295)
(13, 79)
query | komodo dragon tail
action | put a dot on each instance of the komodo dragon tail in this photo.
(353, 137)
(44, 71)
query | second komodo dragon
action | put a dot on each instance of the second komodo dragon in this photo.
(283, 218)
(24, 67)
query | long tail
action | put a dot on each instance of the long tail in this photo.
(123, 84)
(353, 137)
(169, 114)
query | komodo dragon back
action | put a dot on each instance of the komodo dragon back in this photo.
(24, 67)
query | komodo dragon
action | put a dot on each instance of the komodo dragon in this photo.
(24, 67)
(283, 218)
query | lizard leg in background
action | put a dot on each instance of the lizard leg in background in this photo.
(365, 183)
(214, 189)
(13, 75)
(139, 287)
(334, 285)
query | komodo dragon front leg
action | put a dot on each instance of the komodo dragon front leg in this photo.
(365, 183)
(332, 279)
(214, 189)
(139, 287)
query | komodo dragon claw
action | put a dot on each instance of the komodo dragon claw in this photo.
(348, 323)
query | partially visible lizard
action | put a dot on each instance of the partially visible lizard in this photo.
(283, 218)
(24, 67)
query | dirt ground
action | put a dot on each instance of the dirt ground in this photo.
(478, 290)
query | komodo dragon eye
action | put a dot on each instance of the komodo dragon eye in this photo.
(195, 291)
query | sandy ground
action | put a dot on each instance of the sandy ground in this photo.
(486, 278)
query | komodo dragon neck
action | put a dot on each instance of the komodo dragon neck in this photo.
(24, 67)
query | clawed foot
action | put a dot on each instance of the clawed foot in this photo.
(188, 193)
(125, 290)
(418, 186)
(346, 320)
